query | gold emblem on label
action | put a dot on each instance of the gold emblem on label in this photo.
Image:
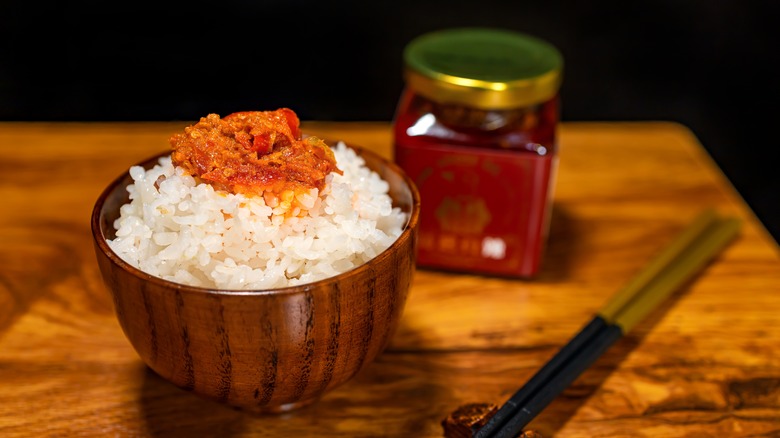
(462, 215)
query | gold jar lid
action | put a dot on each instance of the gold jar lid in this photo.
(483, 68)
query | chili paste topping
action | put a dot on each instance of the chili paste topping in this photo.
(254, 153)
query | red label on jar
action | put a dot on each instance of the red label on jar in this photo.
(482, 210)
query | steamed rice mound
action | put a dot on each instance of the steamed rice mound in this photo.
(189, 233)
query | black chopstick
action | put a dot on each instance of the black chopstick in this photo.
(569, 372)
(692, 249)
(549, 370)
(576, 356)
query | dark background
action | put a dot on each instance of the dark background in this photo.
(709, 65)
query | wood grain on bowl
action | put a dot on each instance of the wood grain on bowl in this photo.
(269, 350)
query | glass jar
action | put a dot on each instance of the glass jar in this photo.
(476, 129)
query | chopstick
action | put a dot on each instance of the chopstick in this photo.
(693, 248)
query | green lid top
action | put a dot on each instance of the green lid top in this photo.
(483, 67)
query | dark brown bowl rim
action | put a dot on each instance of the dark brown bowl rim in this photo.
(100, 239)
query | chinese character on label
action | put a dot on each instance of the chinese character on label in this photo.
(493, 248)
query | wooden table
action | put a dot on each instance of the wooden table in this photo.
(704, 364)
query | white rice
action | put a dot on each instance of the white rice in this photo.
(191, 234)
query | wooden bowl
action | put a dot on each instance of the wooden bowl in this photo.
(262, 350)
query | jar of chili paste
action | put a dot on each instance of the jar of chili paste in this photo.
(475, 128)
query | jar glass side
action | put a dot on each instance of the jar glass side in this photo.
(485, 193)
(419, 121)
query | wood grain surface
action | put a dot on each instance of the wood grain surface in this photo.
(707, 363)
